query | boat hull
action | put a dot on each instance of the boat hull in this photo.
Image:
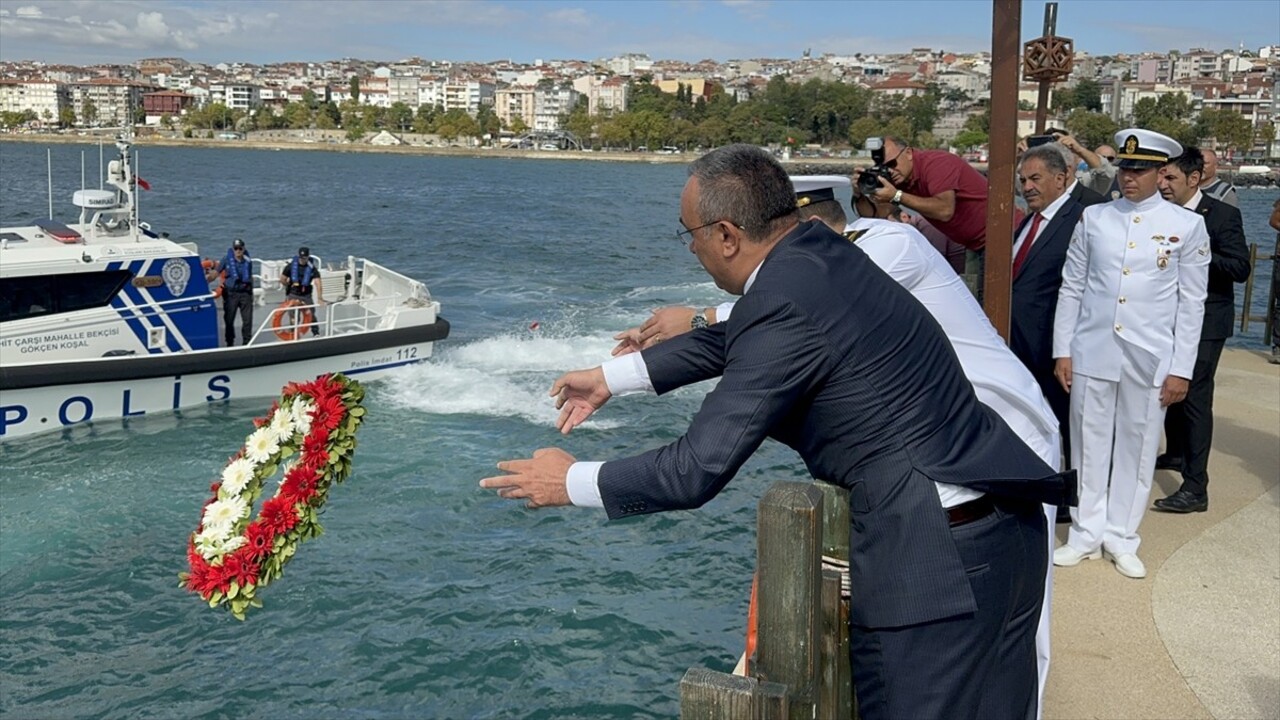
(44, 397)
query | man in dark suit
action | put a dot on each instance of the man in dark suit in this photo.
(1085, 195)
(1188, 425)
(830, 356)
(1039, 251)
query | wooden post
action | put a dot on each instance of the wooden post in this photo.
(1042, 104)
(835, 520)
(710, 695)
(790, 570)
(1248, 291)
(1006, 59)
(835, 688)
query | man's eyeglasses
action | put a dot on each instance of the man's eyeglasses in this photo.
(685, 235)
(893, 164)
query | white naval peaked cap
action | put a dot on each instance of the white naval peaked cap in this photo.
(1137, 149)
(812, 189)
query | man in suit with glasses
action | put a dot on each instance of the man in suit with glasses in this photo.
(830, 356)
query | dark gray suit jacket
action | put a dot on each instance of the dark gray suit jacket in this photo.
(830, 356)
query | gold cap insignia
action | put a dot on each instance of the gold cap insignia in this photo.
(801, 202)
(1131, 144)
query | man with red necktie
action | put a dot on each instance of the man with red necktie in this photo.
(1040, 249)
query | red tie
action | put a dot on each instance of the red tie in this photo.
(1026, 244)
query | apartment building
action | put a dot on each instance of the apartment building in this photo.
(467, 95)
(45, 99)
(604, 94)
(514, 102)
(158, 104)
(404, 89)
(550, 103)
(236, 96)
(112, 101)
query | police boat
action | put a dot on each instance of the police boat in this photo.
(105, 319)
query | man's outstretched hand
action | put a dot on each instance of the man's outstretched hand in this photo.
(663, 324)
(579, 394)
(539, 480)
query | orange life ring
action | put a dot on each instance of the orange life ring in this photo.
(294, 330)
(752, 623)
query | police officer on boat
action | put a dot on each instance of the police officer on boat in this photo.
(299, 277)
(237, 292)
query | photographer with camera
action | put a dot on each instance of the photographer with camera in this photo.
(937, 185)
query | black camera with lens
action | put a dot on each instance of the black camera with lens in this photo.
(868, 179)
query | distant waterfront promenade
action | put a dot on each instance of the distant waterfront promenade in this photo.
(364, 147)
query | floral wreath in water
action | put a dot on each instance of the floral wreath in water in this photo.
(232, 556)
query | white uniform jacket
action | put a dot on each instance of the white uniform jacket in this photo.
(1133, 290)
(999, 378)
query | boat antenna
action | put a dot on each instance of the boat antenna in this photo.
(102, 167)
(81, 169)
(49, 162)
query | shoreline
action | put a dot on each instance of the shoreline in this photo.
(831, 164)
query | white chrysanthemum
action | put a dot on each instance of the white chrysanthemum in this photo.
(222, 515)
(301, 412)
(235, 477)
(281, 425)
(261, 445)
(230, 545)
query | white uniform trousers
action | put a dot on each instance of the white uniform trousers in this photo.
(1042, 630)
(1115, 434)
(1049, 449)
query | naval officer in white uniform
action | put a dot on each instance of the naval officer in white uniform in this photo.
(1125, 337)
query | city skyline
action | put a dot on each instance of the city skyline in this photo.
(81, 32)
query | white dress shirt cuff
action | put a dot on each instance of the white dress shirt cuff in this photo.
(583, 485)
(626, 375)
(723, 311)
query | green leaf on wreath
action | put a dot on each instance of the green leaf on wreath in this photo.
(233, 591)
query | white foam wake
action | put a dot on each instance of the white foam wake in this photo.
(503, 376)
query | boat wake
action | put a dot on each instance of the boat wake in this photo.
(502, 376)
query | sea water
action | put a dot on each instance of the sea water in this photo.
(426, 596)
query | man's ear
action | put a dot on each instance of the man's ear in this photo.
(730, 239)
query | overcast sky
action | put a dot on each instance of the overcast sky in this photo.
(84, 32)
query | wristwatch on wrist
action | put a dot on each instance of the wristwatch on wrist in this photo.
(699, 320)
(897, 198)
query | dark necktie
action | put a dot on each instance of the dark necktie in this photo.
(1026, 244)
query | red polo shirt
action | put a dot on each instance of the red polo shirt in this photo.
(933, 172)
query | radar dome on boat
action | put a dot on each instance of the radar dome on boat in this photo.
(94, 199)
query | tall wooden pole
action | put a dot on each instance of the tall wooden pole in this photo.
(1042, 106)
(1006, 60)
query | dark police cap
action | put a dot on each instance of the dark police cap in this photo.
(304, 251)
(1138, 149)
(238, 244)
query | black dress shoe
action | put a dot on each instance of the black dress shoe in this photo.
(1165, 461)
(1183, 501)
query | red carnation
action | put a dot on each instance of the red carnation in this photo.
(213, 488)
(279, 514)
(240, 567)
(260, 540)
(316, 445)
(328, 414)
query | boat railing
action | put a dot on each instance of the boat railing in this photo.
(289, 322)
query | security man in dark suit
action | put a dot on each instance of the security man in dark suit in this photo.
(947, 544)
(1188, 425)
(1039, 250)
